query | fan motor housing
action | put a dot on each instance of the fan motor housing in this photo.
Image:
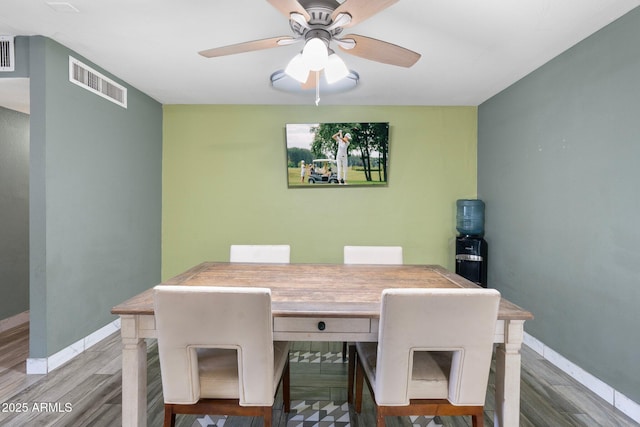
(320, 12)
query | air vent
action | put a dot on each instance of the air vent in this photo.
(7, 56)
(88, 78)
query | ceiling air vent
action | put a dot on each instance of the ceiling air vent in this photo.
(88, 78)
(7, 56)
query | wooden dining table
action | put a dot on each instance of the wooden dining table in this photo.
(317, 302)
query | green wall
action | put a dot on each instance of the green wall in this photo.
(95, 201)
(14, 212)
(224, 182)
(558, 169)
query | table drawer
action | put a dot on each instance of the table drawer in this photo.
(320, 324)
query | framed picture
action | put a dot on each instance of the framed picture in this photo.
(337, 154)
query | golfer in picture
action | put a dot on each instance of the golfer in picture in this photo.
(342, 158)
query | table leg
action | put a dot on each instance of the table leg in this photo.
(134, 374)
(508, 365)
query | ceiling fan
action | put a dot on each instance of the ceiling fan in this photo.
(319, 23)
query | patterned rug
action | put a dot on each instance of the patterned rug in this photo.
(315, 357)
(315, 413)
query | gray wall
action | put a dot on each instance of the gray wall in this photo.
(14, 212)
(95, 201)
(558, 156)
(21, 63)
(14, 197)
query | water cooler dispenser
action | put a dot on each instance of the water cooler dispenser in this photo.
(471, 248)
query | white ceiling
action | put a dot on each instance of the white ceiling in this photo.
(470, 49)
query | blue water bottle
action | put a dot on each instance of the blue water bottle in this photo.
(470, 217)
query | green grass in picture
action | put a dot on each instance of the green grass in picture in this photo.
(355, 176)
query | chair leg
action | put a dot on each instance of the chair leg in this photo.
(268, 414)
(359, 386)
(169, 416)
(286, 387)
(379, 418)
(353, 361)
(477, 420)
(344, 351)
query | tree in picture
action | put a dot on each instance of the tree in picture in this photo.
(368, 149)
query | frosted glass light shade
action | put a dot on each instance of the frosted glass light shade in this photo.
(335, 69)
(298, 69)
(284, 82)
(315, 54)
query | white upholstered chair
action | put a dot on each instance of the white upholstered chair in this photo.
(370, 255)
(217, 354)
(260, 253)
(433, 355)
(373, 255)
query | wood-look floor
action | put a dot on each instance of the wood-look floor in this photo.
(91, 385)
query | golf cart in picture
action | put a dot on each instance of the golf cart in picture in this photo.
(323, 171)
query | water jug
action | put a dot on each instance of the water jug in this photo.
(470, 217)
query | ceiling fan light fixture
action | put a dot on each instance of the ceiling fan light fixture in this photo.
(315, 54)
(297, 68)
(335, 69)
(284, 82)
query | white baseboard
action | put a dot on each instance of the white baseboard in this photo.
(599, 387)
(48, 364)
(13, 321)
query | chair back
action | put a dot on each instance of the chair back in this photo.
(192, 317)
(373, 255)
(260, 253)
(461, 321)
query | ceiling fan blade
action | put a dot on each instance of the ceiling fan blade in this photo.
(287, 6)
(247, 46)
(380, 51)
(361, 9)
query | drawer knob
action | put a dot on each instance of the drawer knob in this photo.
(321, 326)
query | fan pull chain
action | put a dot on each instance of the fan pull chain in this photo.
(317, 88)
